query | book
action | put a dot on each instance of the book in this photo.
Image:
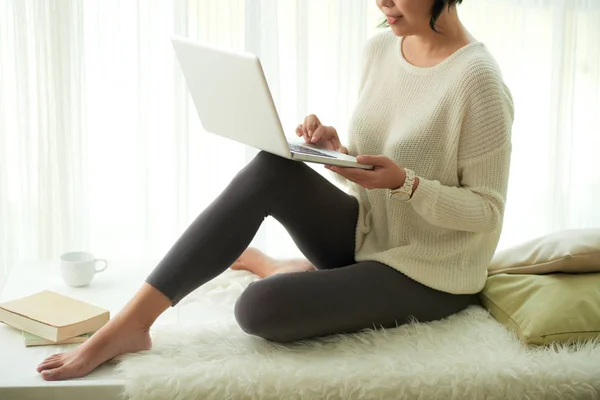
(32, 340)
(53, 316)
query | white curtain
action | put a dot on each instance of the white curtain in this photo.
(101, 149)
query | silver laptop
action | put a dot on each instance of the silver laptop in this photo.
(233, 100)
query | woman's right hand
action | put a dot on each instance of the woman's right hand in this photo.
(320, 135)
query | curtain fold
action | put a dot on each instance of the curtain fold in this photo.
(43, 181)
(550, 57)
(101, 148)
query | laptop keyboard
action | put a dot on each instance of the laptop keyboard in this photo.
(304, 150)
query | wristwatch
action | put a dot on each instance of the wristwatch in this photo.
(404, 192)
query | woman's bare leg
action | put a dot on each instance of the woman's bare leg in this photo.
(127, 332)
(260, 264)
(317, 215)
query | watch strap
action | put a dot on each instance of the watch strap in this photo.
(409, 183)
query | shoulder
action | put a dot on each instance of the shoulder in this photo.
(488, 110)
(479, 75)
(478, 84)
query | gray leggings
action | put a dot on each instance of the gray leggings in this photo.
(341, 296)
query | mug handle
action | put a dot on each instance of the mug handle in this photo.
(102, 261)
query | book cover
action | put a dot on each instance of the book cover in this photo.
(53, 316)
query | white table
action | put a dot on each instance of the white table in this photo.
(110, 289)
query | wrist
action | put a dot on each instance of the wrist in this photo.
(400, 181)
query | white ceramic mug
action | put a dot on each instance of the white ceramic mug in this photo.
(78, 268)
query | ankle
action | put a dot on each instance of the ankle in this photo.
(131, 323)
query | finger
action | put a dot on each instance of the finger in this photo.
(305, 133)
(312, 124)
(306, 123)
(335, 169)
(355, 180)
(319, 133)
(306, 136)
(299, 131)
(348, 173)
(372, 160)
(305, 127)
(335, 139)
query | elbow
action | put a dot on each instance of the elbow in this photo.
(494, 218)
(493, 225)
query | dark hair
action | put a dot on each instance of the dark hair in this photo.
(436, 11)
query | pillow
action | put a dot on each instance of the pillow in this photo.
(572, 251)
(542, 309)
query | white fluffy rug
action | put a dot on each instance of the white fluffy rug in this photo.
(467, 356)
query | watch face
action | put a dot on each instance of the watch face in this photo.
(402, 196)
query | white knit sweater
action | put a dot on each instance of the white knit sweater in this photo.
(451, 124)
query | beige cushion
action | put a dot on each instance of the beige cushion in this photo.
(572, 251)
(542, 309)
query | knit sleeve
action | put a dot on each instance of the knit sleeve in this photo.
(477, 204)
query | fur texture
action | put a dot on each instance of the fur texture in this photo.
(466, 356)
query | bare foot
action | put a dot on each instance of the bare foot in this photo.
(259, 263)
(112, 340)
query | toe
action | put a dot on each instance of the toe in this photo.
(49, 365)
(51, 374)
(52, 357)
(73, 368)
(56, 374)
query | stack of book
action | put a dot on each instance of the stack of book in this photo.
(50, 318)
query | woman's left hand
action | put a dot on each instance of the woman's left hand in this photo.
(386, 174)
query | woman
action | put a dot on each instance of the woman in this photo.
(412, 240)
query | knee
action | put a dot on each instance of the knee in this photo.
(262, 171)
(268, 161)
(269, 166)
(266, 157)
(269, 173)
(258, 311)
